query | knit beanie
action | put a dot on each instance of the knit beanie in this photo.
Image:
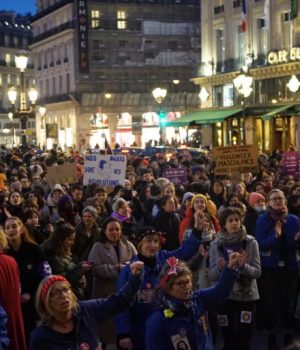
(90, 209)
(199, 195)
(255, 197)
(118, 204)
(186, 196)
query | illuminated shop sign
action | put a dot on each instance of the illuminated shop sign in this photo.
(284, 56)
(82, 27)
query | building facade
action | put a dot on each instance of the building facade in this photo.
(15, 38)
(97, 62)
(269, 52)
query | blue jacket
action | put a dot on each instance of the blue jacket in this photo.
(132, 322)
(4, 341)
(269, 245)
(166, 331)
(88, 316)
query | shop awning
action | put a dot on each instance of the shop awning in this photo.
(204, 117)
(276, 111)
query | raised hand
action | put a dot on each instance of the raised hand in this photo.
(234, 259)
(136, 267)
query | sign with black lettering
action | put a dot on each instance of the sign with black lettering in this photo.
(235, 159)
(82, 29)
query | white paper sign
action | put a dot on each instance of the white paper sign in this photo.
(107, 171)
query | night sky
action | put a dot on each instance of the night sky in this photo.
(20, 6)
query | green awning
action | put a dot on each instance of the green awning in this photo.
(276, 111)
(204, 117)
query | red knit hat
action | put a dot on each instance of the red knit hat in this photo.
(255, 197)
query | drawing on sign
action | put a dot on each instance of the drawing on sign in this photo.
(105, 170)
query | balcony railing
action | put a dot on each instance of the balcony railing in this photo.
(53, 31)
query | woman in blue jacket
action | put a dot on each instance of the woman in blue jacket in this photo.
(277, 233)
(72, 325)
(180, 321)
(131, 323)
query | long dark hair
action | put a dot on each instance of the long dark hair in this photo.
(102, 237)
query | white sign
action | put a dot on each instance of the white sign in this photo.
(108, 171)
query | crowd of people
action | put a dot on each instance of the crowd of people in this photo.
(151, 264)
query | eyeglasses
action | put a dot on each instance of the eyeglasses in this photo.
(281, 199)
(58, 292)
(183, 284)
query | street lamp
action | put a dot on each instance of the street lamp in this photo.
(243, 84)
(293, 84)
(23, 113)
(159, 94)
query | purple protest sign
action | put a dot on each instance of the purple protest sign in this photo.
(292, 164)
(176, 175)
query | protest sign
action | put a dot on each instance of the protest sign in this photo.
(292, 164)
(104, 170)
(60, 174)
(176, 175)
(235, 159)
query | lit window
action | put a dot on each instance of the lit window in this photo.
(8, 79)
(1, 79)
(122, 23)
(95, 16)
(7, 59)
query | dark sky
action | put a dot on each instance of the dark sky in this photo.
(21, 6)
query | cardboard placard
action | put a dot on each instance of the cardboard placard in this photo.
(235, 159)
(60, 174)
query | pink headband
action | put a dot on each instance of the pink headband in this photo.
(50, 281)
(172, 262)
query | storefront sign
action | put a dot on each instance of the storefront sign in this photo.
(60, 174)
(235, 159)
(283, 56)
(176, 175)
(292, 164)
(82, 28)
(107, 171)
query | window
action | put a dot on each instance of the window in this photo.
(123, 43)
(240, 49)
(287, 31)
(122, 23)
(95, 16)
(53, 86)
(7, 59)
(68, 82)
(8, 79)
(1, 81)
(262, 37)
(172, 45)
(220, 50)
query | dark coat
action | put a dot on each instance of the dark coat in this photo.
(169, 223)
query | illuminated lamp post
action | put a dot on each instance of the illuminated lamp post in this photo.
(159, 94)
(243, 84)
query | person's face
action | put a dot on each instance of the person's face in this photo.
(233, 200)
(188, 202)
(128, 186)
(88, 219)
(124, 210)
(33, 221)
(25, 182)
(132, 179)
(36, 180)
(12, 230)
(77, 195)
(217, 188)
(181, 288)
(247, 177)
(268, 181)
(296, 190)
(170, 206)
(149, 246)
(68, 242)
(239, 189)
(233, 224)
(60, 298)
(113, 232)
(260, 189)
(154, 165)
(147, 177)
(259, 204)
(33, 197)
(277, 200)
(102, 196)
(56, 195)
(199, 204)
(290, 183)
(15, 198)
(169, 190)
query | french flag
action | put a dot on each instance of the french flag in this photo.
(244, 16)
